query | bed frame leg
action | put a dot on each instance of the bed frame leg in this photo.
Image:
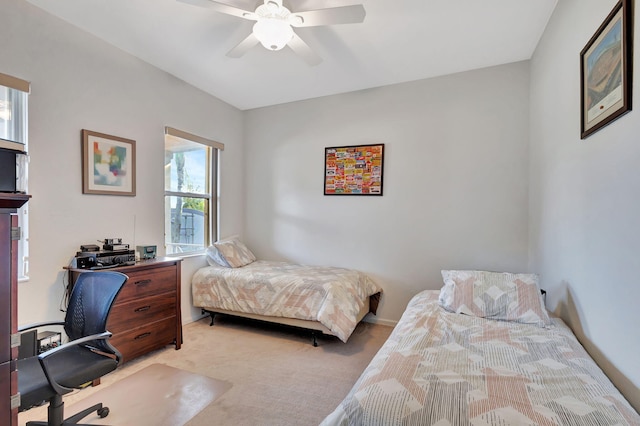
(314, 334)
(211, 314)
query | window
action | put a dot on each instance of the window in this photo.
(190, 192)
(14, 96)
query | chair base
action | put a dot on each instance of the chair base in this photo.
(56, 412)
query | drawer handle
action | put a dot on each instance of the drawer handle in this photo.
(142, 282)
(142, 309)
(142, 336)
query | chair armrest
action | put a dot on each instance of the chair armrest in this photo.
(43, 357)
(102, 336)
(39, 324)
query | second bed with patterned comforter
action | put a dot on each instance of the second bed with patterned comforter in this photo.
(332, 296)
(479, 352)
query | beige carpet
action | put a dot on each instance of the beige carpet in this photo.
(277, 377)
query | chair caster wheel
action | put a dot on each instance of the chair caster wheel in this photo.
(103, 412)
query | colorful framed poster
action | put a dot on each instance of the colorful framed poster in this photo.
(108, 164)
(353, 170)
(606, 71)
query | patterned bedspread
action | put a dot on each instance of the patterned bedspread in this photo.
(440, 368)
(329, 295)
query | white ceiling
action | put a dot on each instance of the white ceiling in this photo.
(399, 40)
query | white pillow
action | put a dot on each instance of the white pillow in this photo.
(214, 257)
(235, 253)
(495, 295)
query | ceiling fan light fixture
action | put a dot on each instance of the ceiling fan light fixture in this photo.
(274, 24)
(273, 33)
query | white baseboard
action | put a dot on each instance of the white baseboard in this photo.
(374, 320)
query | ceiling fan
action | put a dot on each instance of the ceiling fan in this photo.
(274, 22)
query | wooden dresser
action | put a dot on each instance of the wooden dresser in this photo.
(146, 314)
(9, 235)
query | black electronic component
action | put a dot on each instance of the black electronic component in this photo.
(48, 340)
(102, 259)
(115, 247)
(28, 344)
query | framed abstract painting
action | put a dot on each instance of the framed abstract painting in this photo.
(108, 164)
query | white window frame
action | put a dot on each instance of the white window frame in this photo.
(22, 145)
(211, 216)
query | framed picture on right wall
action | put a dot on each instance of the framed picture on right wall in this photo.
(606, 72)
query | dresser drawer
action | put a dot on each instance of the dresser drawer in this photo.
(147, 283)
(146, 338)
(125, 316)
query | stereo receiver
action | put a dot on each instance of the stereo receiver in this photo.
(105, 259)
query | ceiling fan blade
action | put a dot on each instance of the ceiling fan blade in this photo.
(303, 50)
(243, 46)
(223, 8)
(332, 16)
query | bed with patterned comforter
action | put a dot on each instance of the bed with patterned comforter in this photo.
(446, 368)
(334, 297)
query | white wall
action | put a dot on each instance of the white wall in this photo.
(584, 219)
(456, 175)
(455, 180)
(80, 82)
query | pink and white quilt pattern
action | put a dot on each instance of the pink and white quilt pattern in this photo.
(443, 368)
(332, 296)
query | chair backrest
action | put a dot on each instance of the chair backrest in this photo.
(91, 299)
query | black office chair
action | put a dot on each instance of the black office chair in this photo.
(87, 356)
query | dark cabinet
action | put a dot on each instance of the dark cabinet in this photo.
(9, 236)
